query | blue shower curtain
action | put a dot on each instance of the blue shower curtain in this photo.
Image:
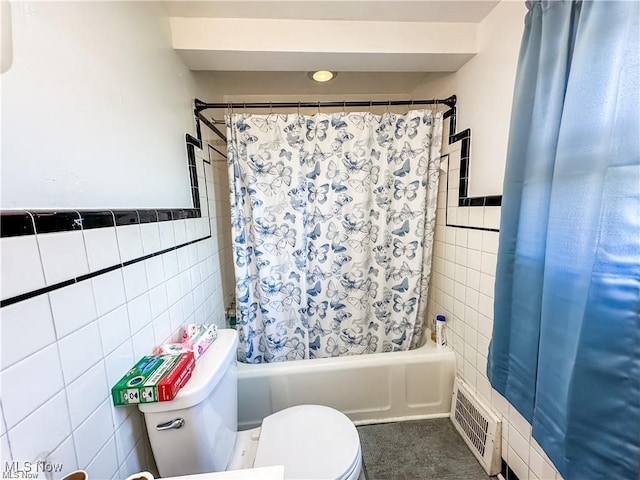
(566, 340)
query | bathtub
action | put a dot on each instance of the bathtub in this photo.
(374, 388)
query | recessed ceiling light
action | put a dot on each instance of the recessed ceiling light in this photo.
(322, 75)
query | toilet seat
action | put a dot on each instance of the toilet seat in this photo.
(312, 442)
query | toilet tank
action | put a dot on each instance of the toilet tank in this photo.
(207, 410)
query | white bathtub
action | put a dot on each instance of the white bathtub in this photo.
(374, 388)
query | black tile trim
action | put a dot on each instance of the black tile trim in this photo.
(147, 216)
(21, 222)
(488, 201)
(493, 201)
(451, 114)
(66, 283)
(178, 214)
(195, 194)
(469, 227)
(126, 217)
(56, 221)
(191, 140)
(211, 147)
(164, 215)
(463, 186)
(506, 471)
(16, 223)
(96, 219)
(193, 171)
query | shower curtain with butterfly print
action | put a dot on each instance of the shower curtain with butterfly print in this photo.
(333, 219)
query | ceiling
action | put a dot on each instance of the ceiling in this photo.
(345, 10)
(286, 83)
(267, 47)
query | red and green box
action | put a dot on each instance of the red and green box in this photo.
(155, 378)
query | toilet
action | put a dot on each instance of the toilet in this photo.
(197, 432)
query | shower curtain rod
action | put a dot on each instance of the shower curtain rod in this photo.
(200, 105)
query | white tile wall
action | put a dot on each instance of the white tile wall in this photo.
(102, 465)
(62, 351)
(114, 329)
(93, 433)
(65, 455)
(150, 233)
(20, 261)
(79, 351)
(167, 235)
(40, 334)
(108, 291)
(86, 394)
(73, 307)
(129, 242)
(63, 256)
(135, 280)
(219, 208)
(139, 313)
(18, 403)
(180, 229)
(462, 284)
(42, 431)
(102, 248)
(155, 271)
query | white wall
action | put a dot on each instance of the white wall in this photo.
(62, 351)
(94, 108)
(249, 44)
(484, 87)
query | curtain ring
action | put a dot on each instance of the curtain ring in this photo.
(344, 105)
(388, 105)
(370, 104)
(270, 108)
(298, 108)
(318, 107)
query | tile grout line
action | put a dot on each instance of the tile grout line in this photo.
(6, 431)
(49, 288)
(83, 467)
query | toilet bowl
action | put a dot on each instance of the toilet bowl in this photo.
(311, 441)
(196, 432)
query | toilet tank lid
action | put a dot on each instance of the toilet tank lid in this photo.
(210, 368)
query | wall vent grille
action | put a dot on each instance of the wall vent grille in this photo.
(478, 425)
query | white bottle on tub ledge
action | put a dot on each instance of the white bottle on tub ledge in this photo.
(441, 337)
